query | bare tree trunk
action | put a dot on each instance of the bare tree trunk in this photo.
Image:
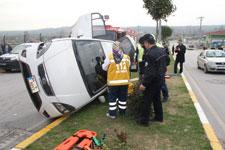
(40, 37)
(160, 31)
(4, 40)
(24, 37)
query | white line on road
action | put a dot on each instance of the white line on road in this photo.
(206, 101)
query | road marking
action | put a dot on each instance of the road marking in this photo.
(202, 115)
(214, 142)
(214, 113)
(213, 139)
(24, 144)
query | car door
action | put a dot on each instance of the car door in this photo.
(128, 46)
(89, 26)
(201, 59)
(90, 56)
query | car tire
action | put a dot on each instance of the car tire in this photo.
(205, 69)
(8, 70)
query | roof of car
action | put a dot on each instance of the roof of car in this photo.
(212, 50)
(30, 44)
(81, 39)
(73, 38)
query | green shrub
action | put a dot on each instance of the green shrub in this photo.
(135, 101)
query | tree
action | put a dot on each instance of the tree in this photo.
(166, 32)
(159, 10)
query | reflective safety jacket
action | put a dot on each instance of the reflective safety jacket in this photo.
(118, 74)
(140, 53)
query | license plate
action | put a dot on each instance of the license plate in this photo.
(221, 67)
(33, 84)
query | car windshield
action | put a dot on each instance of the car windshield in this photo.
(215, 54)
(18, 48)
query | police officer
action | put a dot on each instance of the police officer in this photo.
(142, 51)
(180, 58)
(151, 81)
(164, 89)
(117, 66)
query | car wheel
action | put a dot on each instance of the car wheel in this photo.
(205, 69)
(8, 70)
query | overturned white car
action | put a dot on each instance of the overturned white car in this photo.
(65, 74)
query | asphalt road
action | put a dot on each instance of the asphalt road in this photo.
(210, 91)
(18, 116)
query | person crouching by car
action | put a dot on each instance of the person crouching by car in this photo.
(117, 65)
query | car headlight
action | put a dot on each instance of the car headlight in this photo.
(13, 58)
(24, 53)
(64, 108)
(61, 108)
(43, 47)
(211, 64)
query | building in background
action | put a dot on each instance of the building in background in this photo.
(215, 40)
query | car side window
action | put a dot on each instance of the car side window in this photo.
(98, 25)
(91, 57)
(129, 49)
(107, 46)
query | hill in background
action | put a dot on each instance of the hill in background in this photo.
(16, 37)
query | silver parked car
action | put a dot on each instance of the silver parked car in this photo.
(211, 61)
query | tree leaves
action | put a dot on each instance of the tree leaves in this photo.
(166, 32)
(159, 9)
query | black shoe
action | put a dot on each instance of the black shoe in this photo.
(142, 123)
(156, 120)
(165, 99)
(122, 113)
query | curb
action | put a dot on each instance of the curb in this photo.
(210, 133)
(213, 139)
(24, 144)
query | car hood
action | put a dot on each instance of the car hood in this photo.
(217, 59)
(9, 56)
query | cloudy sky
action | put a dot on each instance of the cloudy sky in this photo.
(35, 14)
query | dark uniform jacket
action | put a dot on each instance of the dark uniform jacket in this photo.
(180, 50)
(155, 60)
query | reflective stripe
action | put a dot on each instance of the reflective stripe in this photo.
(118, 81)
(122, 107)
(112, 103)
(122, 103)
(123, 60)
(126, 59)
(112, 108)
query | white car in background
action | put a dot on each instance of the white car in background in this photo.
(65, 74)
(211, 61)
(9, 62)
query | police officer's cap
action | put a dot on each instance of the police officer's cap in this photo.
(141, 40)
(149, 38)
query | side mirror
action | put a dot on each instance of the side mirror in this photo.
(134, 63)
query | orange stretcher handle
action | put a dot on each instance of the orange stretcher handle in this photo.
(68, 143)
(84, 143)
(82, 136)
